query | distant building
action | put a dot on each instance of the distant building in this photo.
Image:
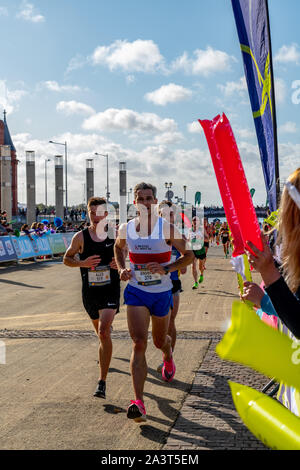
(5, 139)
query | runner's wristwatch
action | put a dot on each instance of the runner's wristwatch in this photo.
(166, 269)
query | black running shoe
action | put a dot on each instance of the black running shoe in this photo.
(100, 390)
(136, 411)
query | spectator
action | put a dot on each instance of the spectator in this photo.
(34, 227)
(25, 230)
(284, 290)
(3, 230)
(6, 227)
(41, 229)
(4, 217)
(61, 228)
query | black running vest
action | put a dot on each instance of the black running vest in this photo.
(105, 250)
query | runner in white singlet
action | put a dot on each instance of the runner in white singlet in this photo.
(149, 292)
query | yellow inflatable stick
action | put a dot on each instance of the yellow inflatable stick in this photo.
(272, 219)
(266, 418)
(253, 343)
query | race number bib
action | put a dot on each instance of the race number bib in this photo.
(144, 277)
(197, 242)
(99, 276)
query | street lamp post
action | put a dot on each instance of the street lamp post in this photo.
(107, 179)
(46, 161)
(184, 189)
(66, 169)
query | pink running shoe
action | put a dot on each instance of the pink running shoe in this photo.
(168, 370)
(136, 411)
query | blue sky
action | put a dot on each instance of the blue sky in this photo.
(131, 78)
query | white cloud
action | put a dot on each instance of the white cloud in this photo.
(192, 167)
(194, 127)
(54, 86)
(138, 56)
(74, 107)
(76, 63)
(288, 128)
(245, 133)
(168, 138)
(10, 98)
(22, 137)
(128, 120)
(204, 62)
(280, 90)
(231, 88)
(168, 94)
(27, 13)
(288, 54)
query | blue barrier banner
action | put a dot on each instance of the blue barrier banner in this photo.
(42, 244)
(7, 251)
(57, 244)
(24, 247)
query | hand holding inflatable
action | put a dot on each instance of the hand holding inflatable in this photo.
(262, 261)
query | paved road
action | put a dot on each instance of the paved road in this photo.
(51, 368)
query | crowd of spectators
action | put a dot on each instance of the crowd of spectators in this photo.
(5, 226)
(41, 228)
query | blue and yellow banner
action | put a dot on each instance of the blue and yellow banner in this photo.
(251, 17)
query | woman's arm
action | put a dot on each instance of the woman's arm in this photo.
(286, 304)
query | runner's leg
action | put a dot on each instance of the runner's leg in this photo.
(174, 311)
(105, 347)
(138, 319)
(194, 270)
(160, 337)
(201, 266)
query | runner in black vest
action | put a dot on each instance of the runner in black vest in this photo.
(100, 280)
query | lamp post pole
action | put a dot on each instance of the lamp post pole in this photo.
(46, 161)
(107, 177)
(184, 189)
(66, 169)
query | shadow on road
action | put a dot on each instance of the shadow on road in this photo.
(21, 284)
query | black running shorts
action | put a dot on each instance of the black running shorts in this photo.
(176, 286)
(200, 255)
(95, 299)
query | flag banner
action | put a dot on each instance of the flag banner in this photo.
(251, 17)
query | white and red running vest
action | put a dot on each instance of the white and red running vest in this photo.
(143, 250)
